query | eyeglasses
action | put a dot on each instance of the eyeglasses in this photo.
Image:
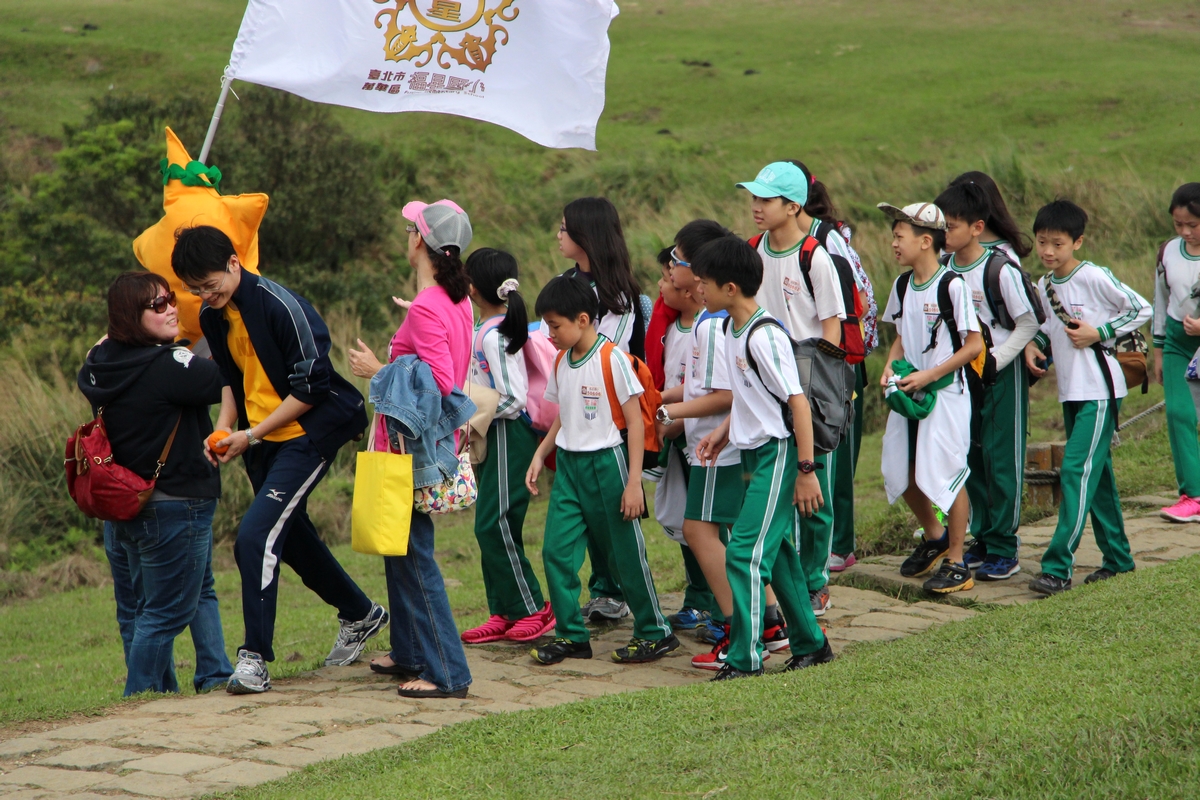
(159, 304)
(679, 262)
(203, 290)
(410, 228)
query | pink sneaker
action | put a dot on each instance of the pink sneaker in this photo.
(491, 631)
(1186, 510)
(532, 627)
(838, 563)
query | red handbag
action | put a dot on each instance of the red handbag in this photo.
(101, 487)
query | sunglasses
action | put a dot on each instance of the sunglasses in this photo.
(207, 289)
(679, 262)
(159, 304)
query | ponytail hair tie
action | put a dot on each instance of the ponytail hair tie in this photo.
(509, 286)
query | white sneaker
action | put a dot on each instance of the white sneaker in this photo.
(249, 676)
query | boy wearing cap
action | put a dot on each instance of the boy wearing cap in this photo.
(1087, 308)
(806, 298)
(294, 412)
(928, 432)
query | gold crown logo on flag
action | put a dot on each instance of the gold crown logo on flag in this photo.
(475, 50)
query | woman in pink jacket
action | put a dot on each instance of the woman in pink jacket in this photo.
(426, 650)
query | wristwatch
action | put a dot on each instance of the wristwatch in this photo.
(807, 466)
(250, 440)
(662, 416)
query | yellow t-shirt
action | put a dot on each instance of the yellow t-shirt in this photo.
(261, 397)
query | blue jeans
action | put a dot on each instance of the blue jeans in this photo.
(424, 637)
(161, 565)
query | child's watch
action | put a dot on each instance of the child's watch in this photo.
(662, 416)
(807, 466)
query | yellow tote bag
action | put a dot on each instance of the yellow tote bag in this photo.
(383, 502)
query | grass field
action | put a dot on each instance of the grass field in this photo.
(1088, 695)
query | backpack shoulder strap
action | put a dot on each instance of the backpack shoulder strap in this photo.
(901, 290)
(1056, 305)
(807, 248)
(1159, 266)
(610, 387)
(477, 345)
(761, 322)
(755, 239)
(992, 292)
(946, 312)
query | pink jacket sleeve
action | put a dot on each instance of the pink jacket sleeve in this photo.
(430, 338)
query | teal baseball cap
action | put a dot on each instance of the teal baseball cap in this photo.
(779, 179)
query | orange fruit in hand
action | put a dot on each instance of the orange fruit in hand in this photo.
(217, 443)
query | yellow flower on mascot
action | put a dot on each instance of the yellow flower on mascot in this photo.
(190, 198)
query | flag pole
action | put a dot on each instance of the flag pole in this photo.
(216, 117)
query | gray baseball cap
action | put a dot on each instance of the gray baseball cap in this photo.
(441, 224)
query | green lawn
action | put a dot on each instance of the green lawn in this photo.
(61, 653)
(1092, 694)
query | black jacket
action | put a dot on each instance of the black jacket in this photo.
(292, 344)
(143, 390)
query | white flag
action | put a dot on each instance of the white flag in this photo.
(535, 66)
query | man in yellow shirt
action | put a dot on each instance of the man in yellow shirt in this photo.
(293, 413)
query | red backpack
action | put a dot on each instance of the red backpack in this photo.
(852, 335)
(102, 488)
(649, 400)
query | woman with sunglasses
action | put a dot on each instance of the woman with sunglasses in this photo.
(146, 386)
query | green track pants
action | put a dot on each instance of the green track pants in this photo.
(815, 533)
(585, 507)
(761, 549)
(1181, 408)
(846, 461)
(998, 462)
(1088, 485)
(512, 589)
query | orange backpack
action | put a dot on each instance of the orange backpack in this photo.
(649, 400)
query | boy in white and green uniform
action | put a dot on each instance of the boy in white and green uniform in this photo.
(597, 495)
(775, 461)
(778, 194)
(1176, 308)
(997, 454)
(1086, 309)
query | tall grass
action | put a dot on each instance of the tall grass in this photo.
(520, 212)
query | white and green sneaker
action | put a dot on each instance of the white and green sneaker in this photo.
(249, 676)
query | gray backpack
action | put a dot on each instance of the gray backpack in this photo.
(827, 381)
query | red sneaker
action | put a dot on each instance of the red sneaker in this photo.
(715, 659)
(532, 627)
(491, 631)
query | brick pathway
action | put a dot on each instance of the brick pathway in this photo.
(188, 746)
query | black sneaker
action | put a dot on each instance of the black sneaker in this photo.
(559, 649)
(950, 577)
(1101, 574)
(822, 656)
(925, 556)
(729, 673)
(639, 651)
(975, 554)
(1049, 584)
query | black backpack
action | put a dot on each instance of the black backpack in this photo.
(995, 297)
(827, 379)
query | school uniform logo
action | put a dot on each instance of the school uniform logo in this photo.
(977, 297)
(591, 401)
(1077, 310)
(742, 366)
(932, 314)
(790, 285)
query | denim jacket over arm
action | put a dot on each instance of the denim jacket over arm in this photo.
(407, 395)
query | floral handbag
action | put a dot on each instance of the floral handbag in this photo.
(457, 493)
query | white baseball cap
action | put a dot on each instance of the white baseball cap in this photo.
(923, 215)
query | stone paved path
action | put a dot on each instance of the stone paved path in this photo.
(188, 746)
